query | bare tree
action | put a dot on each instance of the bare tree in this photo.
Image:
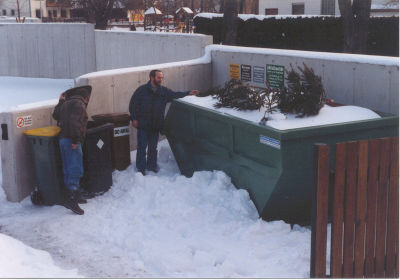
(230, 8)
(100, 10)
(355, 14)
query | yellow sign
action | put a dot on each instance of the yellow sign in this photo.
(234, 71)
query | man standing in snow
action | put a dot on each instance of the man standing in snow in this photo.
(72, 117)
(147, 108)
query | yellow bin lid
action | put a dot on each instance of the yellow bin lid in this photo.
(47, 131)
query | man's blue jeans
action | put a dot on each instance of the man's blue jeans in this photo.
(149, 140)
(72, 163)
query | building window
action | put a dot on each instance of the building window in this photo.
(54, 13)
(4, 12)
(13, 12)
(63, 14)
(328, 7)
(37, 12)
(298, 9)
(271, 12)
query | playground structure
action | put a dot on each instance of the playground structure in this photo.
(181, 21)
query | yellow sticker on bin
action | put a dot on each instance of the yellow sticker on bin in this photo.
(47, 131)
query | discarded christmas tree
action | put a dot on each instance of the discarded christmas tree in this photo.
(304, 94)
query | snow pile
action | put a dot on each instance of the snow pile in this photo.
(327, 114)
(164, 225)
(19, 93)
(20, 261)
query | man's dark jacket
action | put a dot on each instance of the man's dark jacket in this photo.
(72, 117)
(148, 107)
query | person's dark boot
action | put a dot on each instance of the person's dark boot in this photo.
(71, 203)
(79, 197)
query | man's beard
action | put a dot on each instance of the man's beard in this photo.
(157, 83)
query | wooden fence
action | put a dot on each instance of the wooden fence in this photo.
(365, 210)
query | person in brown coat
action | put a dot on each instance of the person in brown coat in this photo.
(72, 117)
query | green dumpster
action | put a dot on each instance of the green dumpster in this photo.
(47, 162)
(274, 166)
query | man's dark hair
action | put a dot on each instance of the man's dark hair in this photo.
(153, 73)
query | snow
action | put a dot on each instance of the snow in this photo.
(21, 261)
(152, 11)
(327, 114)
(185, 9)
(22, 93)
(161, 225)
(344, 57)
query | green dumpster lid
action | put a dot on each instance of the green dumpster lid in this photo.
(112, 117)
(48, 131)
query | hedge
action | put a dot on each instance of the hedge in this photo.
(312, 34)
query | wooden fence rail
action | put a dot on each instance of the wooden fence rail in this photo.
(365, 210)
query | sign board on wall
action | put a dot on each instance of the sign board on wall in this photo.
(275, 75)
(258, 74)
(245, 74)
(234, 71)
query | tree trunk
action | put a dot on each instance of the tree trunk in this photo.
(230, 22)
(355, 23)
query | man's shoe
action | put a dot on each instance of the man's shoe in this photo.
(155, 169)
(71, 203)
(143, 172)
(73, 206)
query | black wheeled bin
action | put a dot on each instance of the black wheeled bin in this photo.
(47, 162)
(121, 156)
(97, 164)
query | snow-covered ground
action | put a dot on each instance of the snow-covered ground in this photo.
(327, 114)
(159, 225)
(18, 92)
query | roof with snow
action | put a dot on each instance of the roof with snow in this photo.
(153, 11)
(185, 10)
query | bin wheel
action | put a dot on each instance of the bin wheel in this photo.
(36, 198)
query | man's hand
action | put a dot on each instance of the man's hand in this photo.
(194, 92)
(135, 124)
(74, 146)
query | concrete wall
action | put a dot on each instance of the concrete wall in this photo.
(112, 91)
(367, 81)
(50, 50)
(17, 161)
(127, 49)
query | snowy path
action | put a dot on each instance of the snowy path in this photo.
(163, 226)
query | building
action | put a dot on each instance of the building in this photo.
(299, 7)
(322, 7)
(53, 9)
(9, 8)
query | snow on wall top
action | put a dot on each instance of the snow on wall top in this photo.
(344, 57)
(259, 17)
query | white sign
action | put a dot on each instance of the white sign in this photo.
(100, 144)
(121, 131)
(24, 121)
(270, 142)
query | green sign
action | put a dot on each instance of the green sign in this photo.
(275, 75)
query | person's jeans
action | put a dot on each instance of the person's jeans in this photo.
(72, 163)
(149, 140)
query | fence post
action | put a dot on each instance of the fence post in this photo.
(319, 216)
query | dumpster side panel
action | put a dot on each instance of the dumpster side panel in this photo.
(275, 167)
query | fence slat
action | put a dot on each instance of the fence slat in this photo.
(361, 203)
(381, 208)
(349, 215)
(337, 212)
(393, 211)
(320, 213)
(372, 189)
